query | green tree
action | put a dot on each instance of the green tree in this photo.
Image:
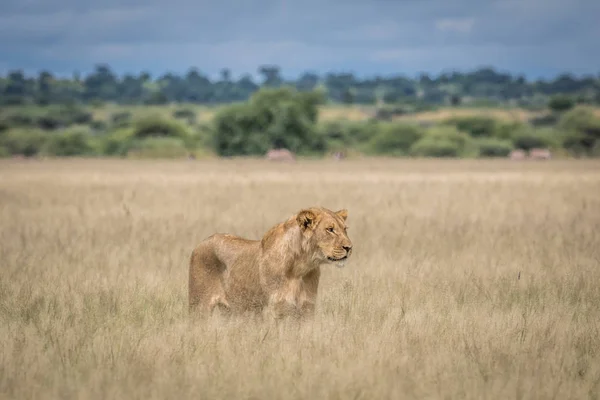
(561, 103)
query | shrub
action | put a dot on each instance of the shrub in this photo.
(582, 129)
(159, 127)
(506, 130)
(158, 147)
(117, 143)
(430, 147)
(476, 126)
(492, 147)
(561, 103)
(361, 132)
(27, 142)
(528, 139)
(386, 113)
(4, 125)
(444, 141)
(581, 119)
(550, 119)
(281, 117)
(120, 118)
(48, 118)
(98, 125)
(21, 117)
(49, 121)
(461, 139)
(395, 139)
(344, 134)
(60, 115)
(186, 114)
(335, 134)
(579, 144)
(71, 142)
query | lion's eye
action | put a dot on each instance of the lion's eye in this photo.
(330, 230)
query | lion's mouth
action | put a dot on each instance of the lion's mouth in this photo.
(337, 259)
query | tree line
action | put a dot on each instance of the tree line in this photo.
(286, 118)
(485, 86)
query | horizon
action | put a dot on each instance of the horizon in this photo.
(288, 76)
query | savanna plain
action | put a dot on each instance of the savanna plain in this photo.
(469, 279)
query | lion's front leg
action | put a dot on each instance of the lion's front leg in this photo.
(292, 302)
(292, 297)
(280, 309)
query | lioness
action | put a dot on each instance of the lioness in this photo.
(280, 272)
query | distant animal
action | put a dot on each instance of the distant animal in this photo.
(540, 154)
(339, 155)
(282, 155)
(517, 154)
(278, 273)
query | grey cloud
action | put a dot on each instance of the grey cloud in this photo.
(350, 34)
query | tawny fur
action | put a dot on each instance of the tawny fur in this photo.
(279, 273)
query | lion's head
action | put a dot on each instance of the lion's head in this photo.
(324, 231)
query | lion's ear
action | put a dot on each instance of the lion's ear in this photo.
(306, 219)
(343, 214)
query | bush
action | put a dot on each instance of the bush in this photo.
(4, 125)
(561, 103)
(461, 139)
(582, 129)
(158, 147)
(386, 113)
(117, 143)
(430, 147)
(21, 117)
(579, 144)
(98, 125)
(335, 134)
(27, 142)
(159, 127)
(583, 120)
(281, 117)
(57, 116)
(186, 114)
(237, 132)
(506, 130)
(395, 139)
(361, 131)
(476, 126)
(121, 118)
(528, 139)
(544, 120)
(492, 147)
(340, 134)
(71, 142)
(444, 141)
(48, 118)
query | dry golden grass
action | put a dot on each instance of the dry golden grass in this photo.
(507, 115)
(94, 277)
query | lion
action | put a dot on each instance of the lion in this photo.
(278, 274)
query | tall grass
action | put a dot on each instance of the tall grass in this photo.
(469, 279)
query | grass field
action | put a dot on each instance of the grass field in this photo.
(469, 279)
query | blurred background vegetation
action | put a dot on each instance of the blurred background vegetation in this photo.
(482, 113)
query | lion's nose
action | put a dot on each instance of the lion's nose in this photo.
(347, 248)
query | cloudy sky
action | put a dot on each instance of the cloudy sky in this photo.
(367, 37)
